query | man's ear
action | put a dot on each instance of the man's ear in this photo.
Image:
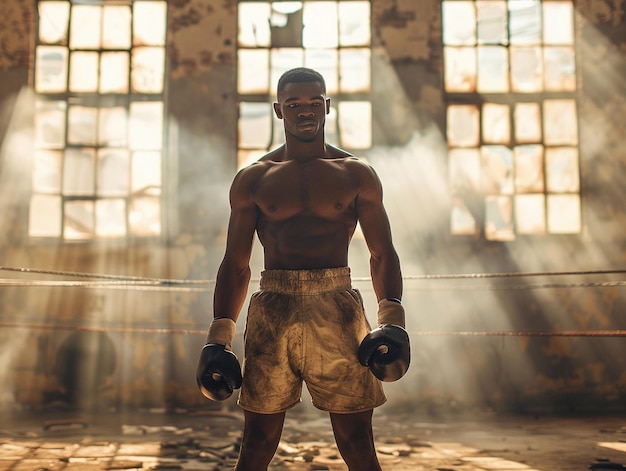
(327, 105)
(279, 113)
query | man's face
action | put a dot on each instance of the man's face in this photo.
(303, 108)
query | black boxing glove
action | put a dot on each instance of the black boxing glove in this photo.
(218, 372)
(386, 350)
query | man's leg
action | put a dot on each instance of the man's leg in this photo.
(355, 440)
(261, 434)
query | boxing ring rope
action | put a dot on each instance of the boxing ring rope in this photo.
(108, 281)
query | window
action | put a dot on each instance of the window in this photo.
(511, 117)
(99, 83)
(332, 37)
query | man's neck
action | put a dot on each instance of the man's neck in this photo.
(304, 151)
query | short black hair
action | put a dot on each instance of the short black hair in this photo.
(300, 75)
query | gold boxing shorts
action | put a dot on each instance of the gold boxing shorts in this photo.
(306, 325)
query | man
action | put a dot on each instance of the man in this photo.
(306, 323)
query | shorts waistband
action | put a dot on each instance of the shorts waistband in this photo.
(306, 281)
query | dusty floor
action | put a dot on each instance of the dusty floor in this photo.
(207, 439)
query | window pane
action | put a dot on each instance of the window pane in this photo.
(113, 127)
(286, 24)
(460, 69)
(527, 122)
(79, 222)
(459, 23)
(560, 122)
(53, 22)
(255, 125)
(85, 27)
(530, 214)
(560, 69)
(146, 173)
(497, 166)
(492, 22)
(50, 124)
(526, 69)
(465, 172)
(47, 171)
(84, 72)
(111, 218)
(326, 62)
(51, 69)
(493, 69)
(320, 25)
(284, 59)
(78, 172)
(114, 72)
(252, 71)
(116, 27)
(254, 27)
(149, 23)
(562, 170)
(146, 125)
(145, 216)
(496, 123)
(44, 219)
(463, 125)
(148, 69)
(525, 21)
(355, 124)
(113, 172)
(560, 18)
(564, 214)
(82, 125)
(499, 218)
(354, 70)
(529, 174)
(354, 24)
(462, 221)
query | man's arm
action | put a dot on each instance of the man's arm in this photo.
(384, 261)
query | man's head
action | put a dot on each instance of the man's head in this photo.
(300, 75)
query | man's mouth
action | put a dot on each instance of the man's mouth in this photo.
(307, 124)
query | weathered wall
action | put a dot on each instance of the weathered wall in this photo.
(128, 361)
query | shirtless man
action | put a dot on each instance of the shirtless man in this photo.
(306, 322)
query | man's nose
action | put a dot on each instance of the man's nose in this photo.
(306, 112)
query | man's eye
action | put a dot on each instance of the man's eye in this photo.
(293, 105)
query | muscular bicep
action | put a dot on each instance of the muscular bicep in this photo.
(241, 226)
(372, 215)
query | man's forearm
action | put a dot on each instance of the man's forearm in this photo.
(386, 276)
(231, 288)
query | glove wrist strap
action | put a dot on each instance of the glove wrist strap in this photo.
(390, 312)
(222, 331)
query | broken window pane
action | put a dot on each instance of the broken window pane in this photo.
(85, 27)
(145, 216)
(111, 218)
(82, 125)
(79, 220)
(526, 69)
(149, 25)
(147, 73)
(114, 72)
(463, 125)
(326, 62)
(255, 125)
(460, 69)
(79, 171)
(53, 22)
(47, 171)
(465, 173)
(254, 26)
(560, 122)
(320, 25)
(113, 127)
(562, 170)
(459, 23)
(116, 21)
(530, 214)
(354, 23)
(560, 69)
(286, 24)
(525, 21)
(44, 219)
(527, 118)
(559, 15)
(499, 218)
(51, 69)
(252, 71)
(461, 220)
(355, 124)
(354, 71)
(493, 69)
(497, 170)
(496, 123)
(50, 124)
(564, 214)
(113, 172)
(146, 125)
(146, 173)
(492, 22)
(84, 72)
(529, 175)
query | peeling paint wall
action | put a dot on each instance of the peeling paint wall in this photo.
(147, 365)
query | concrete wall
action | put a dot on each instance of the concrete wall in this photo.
(137, 347)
